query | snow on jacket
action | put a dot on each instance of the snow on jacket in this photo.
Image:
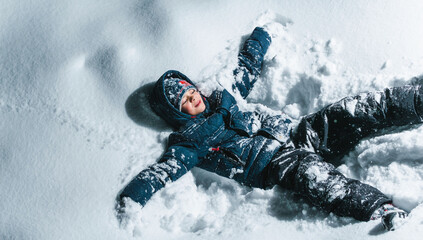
(222, 139)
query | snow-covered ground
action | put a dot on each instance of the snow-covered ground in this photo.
(68, 146)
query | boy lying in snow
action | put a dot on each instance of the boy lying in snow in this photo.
(260, 150)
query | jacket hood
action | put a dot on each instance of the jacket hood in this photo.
(164, 108)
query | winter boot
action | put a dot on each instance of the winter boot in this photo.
(419, 101)
(417, 82)
(392, 217)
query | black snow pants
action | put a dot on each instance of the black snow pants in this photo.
(324, 137)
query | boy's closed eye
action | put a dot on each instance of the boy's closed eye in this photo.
(185, 98)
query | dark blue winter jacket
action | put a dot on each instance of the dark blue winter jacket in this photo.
(222, 139)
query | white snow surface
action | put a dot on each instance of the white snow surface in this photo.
(68, 146)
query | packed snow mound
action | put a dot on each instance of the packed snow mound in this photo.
(74, 133)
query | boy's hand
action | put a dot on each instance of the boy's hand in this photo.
(274, 29)
(127, 212)
(273, 23)
(120, 208)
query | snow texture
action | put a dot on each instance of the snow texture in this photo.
(69, 143)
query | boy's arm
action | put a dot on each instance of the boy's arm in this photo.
(177, 161)
(250, 60)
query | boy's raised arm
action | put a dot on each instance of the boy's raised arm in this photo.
(250, 61)
(177, 161)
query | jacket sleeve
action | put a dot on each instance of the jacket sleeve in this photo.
(177, 161)
(250, 60)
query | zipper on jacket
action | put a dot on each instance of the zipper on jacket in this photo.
(230, 155)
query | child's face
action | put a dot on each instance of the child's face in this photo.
(192, 103)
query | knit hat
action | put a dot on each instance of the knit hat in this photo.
(175, 89)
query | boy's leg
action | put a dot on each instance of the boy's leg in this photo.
(325, 187)
(338, 127)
